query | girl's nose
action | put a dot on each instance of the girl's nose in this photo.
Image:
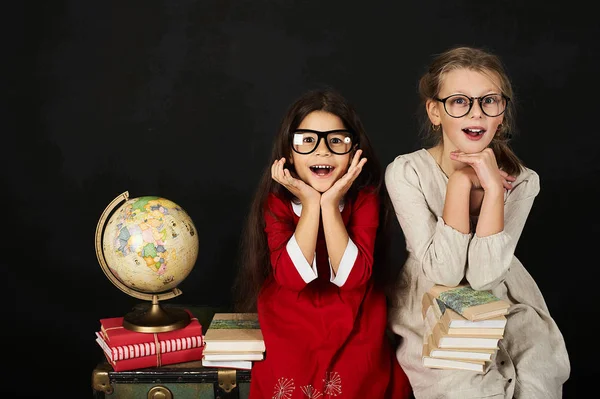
(322, 148)
(476, 110)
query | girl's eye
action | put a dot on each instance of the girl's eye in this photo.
(309, 140)
(335, 140)
(460, 100)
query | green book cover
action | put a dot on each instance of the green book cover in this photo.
(471, 304)
(462, 298)
(441, 305)
(234, 324)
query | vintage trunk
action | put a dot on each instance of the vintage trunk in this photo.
(175, 381)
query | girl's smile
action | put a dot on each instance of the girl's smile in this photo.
(322, 170)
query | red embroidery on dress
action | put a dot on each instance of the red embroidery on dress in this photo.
(333, 383)
(284, 388)
(311, 392)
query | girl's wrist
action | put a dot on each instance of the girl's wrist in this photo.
(311, 206)
(328, 203)
(460, 181)
(310, 197)
(494, 190)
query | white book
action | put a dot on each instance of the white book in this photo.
(442, 340)
(234, 332)
(230, 364)
(453, 364)
(234, 356)
(430, 350)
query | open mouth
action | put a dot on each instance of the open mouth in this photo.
(474, 132)
(322, 170)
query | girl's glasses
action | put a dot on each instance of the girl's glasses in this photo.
(339, 142)
(459, 105)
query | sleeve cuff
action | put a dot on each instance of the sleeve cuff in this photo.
(346, 264)
(307, 272)
(451, 231)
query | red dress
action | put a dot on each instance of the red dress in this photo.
(324, 340)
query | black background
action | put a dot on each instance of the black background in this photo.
(182, 98)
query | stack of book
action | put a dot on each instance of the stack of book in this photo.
(463, 327)
(130, 350)
(233, 340)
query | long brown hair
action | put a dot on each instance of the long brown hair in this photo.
(255, 264)
(481, 61)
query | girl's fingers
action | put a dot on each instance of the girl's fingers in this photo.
(506, 175)
(465, 158)
(355, 159)
(277, 171)
(357, 164)
(288, 177)
(461, 157)
(274, 171)
(359, 167)
(353, 172)
(281, 169)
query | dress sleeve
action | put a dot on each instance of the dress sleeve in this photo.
(362, 231)
(440, 250)
(280, 227)
(490, 257)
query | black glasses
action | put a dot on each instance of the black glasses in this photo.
(459, 105)
(339, 142)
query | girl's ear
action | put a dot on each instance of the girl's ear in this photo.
(433, 111)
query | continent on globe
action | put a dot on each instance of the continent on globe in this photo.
(150, 244)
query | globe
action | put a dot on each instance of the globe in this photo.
(147, 247)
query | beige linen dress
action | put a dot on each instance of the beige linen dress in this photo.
(532, 360)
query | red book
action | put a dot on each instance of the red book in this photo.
(186, 355)
(114, 334)
(148, 348)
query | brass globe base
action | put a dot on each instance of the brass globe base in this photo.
(156, 319)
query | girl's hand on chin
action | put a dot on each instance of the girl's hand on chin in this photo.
(334, 195)
(297, 187)
(489, 177)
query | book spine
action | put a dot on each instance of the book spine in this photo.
(187, 355)
(146, 349)
(149, 348)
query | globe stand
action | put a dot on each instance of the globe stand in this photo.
(156, 319)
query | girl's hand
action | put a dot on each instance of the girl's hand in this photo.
(297, 187)
(337, 191)
(487, 175)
